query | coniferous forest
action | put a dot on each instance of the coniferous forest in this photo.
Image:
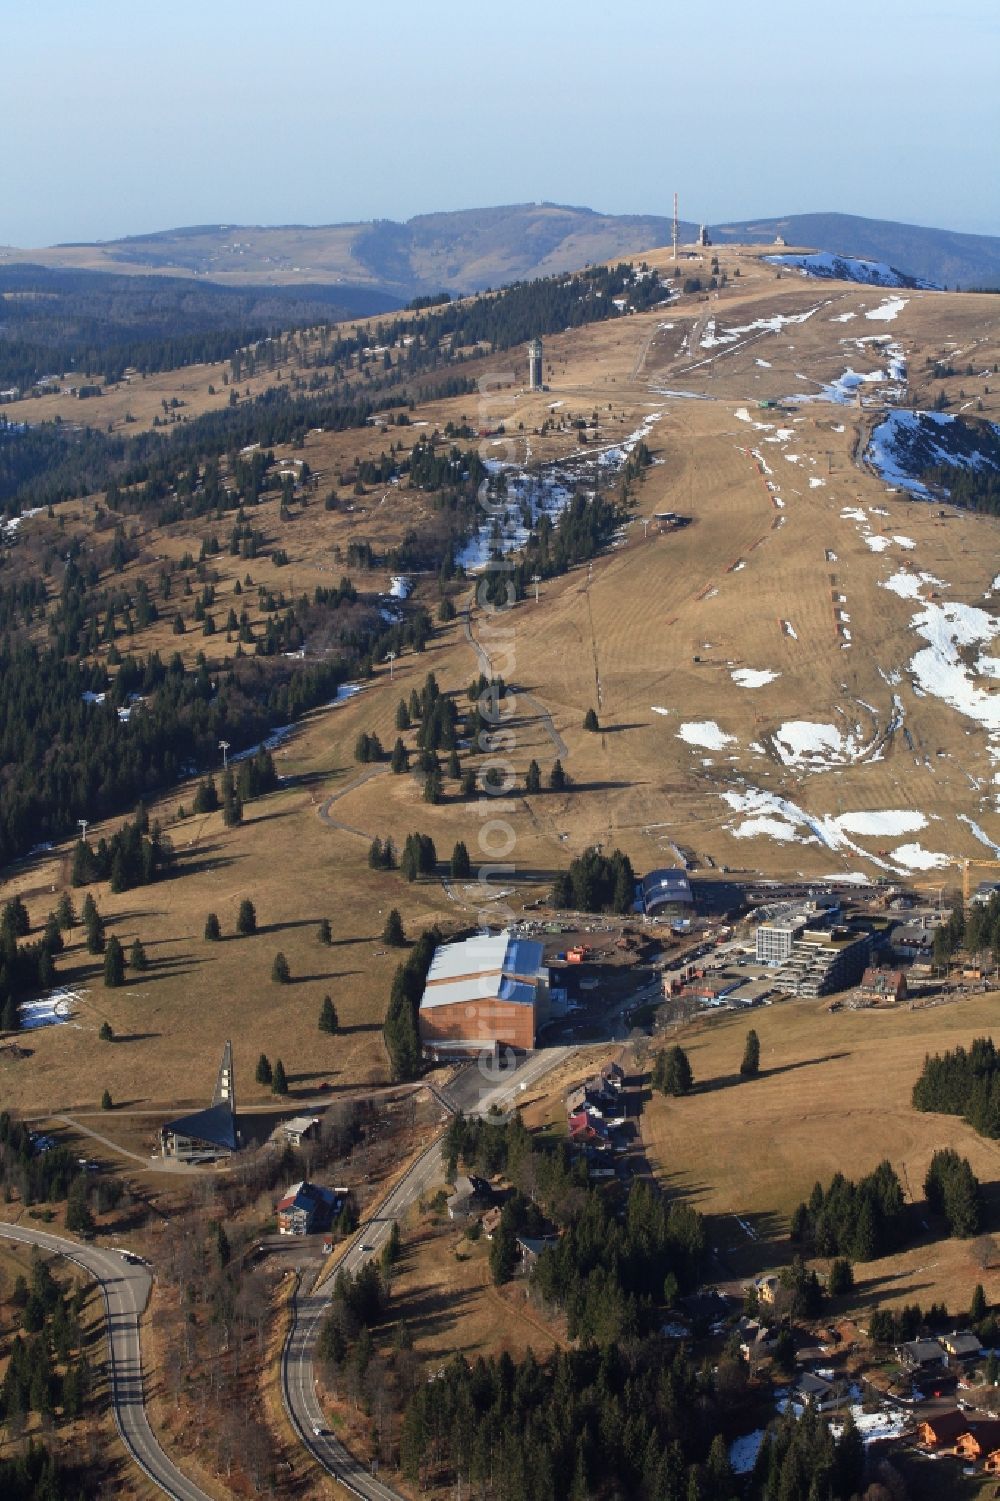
(963, 1082)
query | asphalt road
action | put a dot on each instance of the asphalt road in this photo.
(474, 1092)
(125, 1287)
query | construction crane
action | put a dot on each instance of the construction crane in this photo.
(967, 880)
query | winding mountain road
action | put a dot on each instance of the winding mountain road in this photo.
(125, 1286)
(474, 1091)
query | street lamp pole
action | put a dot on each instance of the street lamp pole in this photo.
(224, 748)
(391, 657)
(83, 828)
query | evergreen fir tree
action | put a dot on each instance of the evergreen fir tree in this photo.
(400, 759)
(325, 932)
(280, 973)
(137, 956)
(461, 865)
(841, 1278)
(433, 790)
(393, 933)
(52, 935)
(328, 1020)
(79, 1220)
(672, 1073)
(263, 1073)
(95, 933)
(590, 721)
(279, 1084)
(246, 918)
(213, 929)
(750, 1066)
(114, 964)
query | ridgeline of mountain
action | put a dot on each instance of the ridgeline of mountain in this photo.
(475, 248)
(941, 256)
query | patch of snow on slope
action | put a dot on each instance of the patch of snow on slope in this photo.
(743, 1451)
(753, 677)
(769, 828)
(705, 733)
(876, 1427)
(907, 442)
(846, 268)
(711, 339)
(979, 834)
(887, 310)
(742, 415)
(915, 857)
(803, 742)
(546, 492)
(886, 821)
(49, 1010)
(938, 667)
(906, 585)
(656, 709)
(766, 807)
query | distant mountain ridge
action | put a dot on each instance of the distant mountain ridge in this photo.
(943, 256)
(467, 250)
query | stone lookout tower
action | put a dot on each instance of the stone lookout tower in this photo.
(535, 365)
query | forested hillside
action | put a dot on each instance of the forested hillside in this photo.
(55, 321)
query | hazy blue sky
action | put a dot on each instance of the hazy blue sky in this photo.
(122, 116)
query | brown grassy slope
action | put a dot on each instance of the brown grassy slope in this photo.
(833, 1095)
(636, 624)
